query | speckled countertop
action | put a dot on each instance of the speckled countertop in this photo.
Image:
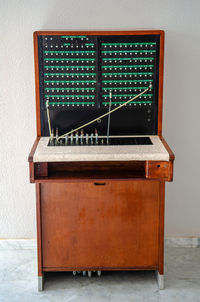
(44, 153)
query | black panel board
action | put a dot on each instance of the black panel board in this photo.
(77, 89)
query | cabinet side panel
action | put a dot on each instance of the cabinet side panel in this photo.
(39, 235)
(161, 231)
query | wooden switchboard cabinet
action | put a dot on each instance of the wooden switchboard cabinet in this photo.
(100, 207)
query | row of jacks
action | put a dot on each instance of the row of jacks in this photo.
(77, 139)
(80, 139)
(89, 273)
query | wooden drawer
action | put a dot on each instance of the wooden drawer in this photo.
(159, 170)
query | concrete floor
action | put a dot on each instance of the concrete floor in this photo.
(18, 281)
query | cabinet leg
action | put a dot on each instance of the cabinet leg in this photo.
(40, 283)
(160, 280)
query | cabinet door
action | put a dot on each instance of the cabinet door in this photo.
(100, 225)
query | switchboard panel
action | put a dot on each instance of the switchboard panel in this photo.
(80, 74)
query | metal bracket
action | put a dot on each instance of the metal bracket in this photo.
(40, 283)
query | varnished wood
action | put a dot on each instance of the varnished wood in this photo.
(115, 225)
(161, 229)
(160, 84)
(110, 170)
(31, 172)
(99, 32)
(171, 171)
(31, 163)
(77, 171)
(41, 170)
(91, 166)
(171, 154)
(31, 154)
(39, 224)
(159, 170)
(37, 83)
(68, 269)
(63, 179)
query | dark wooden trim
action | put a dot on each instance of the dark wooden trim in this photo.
(100, 32)
(65, 269)
(171, 154)
(37, 83)
(52, 172)
(31, 172)
(30, 160)
(41, 169)
(160, 89)
(39, 229)
(75, 180)
(31, 154)
(161, 228)
(171, 171)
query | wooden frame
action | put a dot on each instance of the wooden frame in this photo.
(106, 33)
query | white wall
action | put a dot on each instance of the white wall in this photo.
(18, 20)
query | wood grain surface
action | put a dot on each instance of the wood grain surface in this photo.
(101, 225)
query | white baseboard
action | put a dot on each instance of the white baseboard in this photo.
(27, 244)
(182, 241)
(18, 244)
